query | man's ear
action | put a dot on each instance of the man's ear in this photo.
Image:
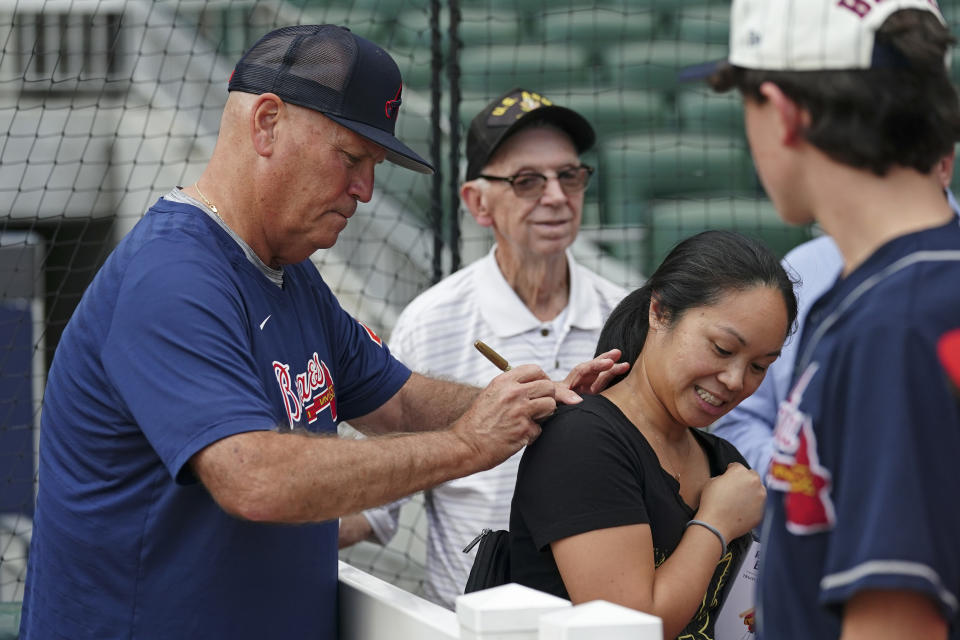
(944, 169)
(474, 196)
(792, 120)
(266, 113)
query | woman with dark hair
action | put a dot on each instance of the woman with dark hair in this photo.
(624, 497)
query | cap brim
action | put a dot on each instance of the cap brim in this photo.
(397, 152)
(702, 71)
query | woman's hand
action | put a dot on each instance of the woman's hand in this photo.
(733, 502)
(592, 376)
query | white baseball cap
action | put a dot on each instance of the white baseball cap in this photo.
(810, 35)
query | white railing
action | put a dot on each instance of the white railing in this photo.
(371, 609)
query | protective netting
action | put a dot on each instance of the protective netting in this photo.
(107, 104)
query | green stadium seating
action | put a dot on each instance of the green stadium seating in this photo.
(635, 5)
(363, 22)
(495, 5)
(654, 64)
(595, 26)
(9, 620)
(414, 63)
(704, 24)
(477, 27)
(539, 7)
(701, 109)
(614, 113)
(387, 8)
(673, 220)
(490, 70)
(639, 168)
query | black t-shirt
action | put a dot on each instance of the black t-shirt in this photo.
(591, 468)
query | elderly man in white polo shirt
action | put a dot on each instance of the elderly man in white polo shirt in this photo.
(527, 298)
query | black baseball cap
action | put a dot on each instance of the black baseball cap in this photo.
(332, 70)
(513, 110)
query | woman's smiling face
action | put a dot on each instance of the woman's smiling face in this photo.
(704, 363)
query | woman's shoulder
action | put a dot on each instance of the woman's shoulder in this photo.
(594, 410)
(585, 424)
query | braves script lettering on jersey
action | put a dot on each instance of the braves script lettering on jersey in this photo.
(316, 378)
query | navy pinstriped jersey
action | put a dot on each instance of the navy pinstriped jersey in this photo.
(863, 484)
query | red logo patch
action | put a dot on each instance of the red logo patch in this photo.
(795, 468)
(392, 106)
(372, 335)
(948, 349)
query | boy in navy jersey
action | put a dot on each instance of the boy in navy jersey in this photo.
(848, 108)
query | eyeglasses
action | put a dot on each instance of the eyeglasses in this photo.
(532, 185)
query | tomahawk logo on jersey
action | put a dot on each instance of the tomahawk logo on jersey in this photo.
(795, 466)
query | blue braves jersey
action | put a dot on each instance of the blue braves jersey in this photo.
(863, 484)
(178, 342)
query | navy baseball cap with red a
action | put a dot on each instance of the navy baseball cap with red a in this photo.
(332, 70)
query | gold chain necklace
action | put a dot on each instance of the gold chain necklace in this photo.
(210, 205)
